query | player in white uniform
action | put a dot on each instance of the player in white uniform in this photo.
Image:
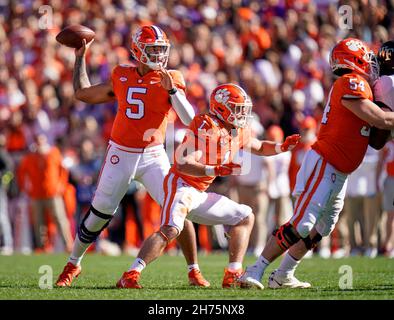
(384, 92)
(383, 89)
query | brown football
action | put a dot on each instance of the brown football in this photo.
(73, 36)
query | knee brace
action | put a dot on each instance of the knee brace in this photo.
(311, 243)
(286, 236)
(87, 236)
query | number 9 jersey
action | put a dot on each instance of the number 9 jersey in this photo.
(143, 106)
(343, 137)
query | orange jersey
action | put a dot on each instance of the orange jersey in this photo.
(218, 146)
(343, 137)
(16, 140)
(143, 107)
(42, 175)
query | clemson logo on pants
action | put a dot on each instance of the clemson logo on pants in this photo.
(114, 159)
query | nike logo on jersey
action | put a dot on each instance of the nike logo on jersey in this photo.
(154, 82)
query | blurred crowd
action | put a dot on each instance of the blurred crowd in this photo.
(52, 146)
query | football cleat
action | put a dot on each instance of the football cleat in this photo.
(70, 272)
(230, 279)
(251, 278)
(197, 279)
(278, 281)
(129, 280)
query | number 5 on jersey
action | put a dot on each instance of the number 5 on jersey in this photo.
(132, 112)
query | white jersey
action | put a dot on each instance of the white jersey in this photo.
(383, 91)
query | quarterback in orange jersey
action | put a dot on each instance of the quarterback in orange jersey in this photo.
(145, 95)
(321, 181)
(207, 151)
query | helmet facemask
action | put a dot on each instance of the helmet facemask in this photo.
(241, 113)
(374, 68)
(155, 55)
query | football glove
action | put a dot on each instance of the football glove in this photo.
(224, 170)
(290, 142)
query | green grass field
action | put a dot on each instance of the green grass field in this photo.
(166, 278)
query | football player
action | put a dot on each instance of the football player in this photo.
(383, 88)
(145, 95)
(321, 181)
(206, 152)
(384, 93)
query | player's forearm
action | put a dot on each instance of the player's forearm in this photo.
(182, 107)
(80, 75)
(370, 112)
(382, 119)
(385, 112)
(192, 168)
(388, 121)
(265, 148)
